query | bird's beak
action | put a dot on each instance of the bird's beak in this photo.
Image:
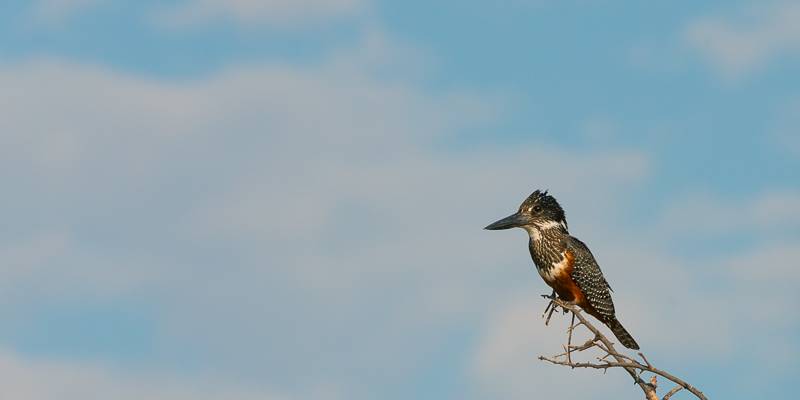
(512, 221)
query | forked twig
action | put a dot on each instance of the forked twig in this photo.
(632, 366)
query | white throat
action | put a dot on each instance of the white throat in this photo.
(550, 225)
(535, 231)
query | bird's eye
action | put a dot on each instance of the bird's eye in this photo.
(537, 209)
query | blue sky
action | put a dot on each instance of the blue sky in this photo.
(284, 199)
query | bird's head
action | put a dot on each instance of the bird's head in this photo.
(540, 211)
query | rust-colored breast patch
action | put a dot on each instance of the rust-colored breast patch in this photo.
(563, 283)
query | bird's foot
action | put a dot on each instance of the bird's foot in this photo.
(551, 306)
(564, 310)
(552, 303)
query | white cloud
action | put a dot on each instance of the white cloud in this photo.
(296, 225)
(705, 214)
(270, 13)
(735, 48)
(32, 379)
(265, 204)
(58, 10)
(786, 128)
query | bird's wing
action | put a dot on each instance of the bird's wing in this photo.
(587, 275)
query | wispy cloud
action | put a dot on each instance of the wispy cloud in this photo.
(736, 47)
(771, 212)
(53, 11)
(786, 128)
(257, 209)
(22, 379)
(281, 14)
(265, 204)
(303, 227)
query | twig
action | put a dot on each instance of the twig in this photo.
(630, 365)
(588, 345)
(645, 359)
(569, 339)
(674, 390)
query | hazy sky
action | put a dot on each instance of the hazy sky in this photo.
(284, 199)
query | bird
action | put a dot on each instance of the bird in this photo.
(565, 263)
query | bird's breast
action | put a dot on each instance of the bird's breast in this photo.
(553, 270)
(559, 277)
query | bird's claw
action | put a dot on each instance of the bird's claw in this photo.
(551, 306)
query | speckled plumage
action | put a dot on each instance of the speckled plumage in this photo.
(565, 263)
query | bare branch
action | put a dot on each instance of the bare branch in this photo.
(633, 367)
(651, 395)
(645, 359)
(674, 390)
(569, 339)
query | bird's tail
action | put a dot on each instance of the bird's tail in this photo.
(624, 337)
